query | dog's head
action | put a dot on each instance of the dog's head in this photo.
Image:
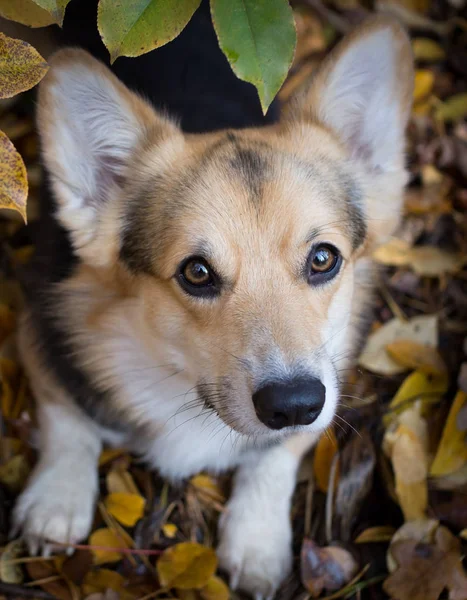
(246, 249)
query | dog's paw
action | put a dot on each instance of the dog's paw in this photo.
(255, 547)
(55, 507)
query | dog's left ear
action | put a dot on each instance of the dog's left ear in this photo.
(363, 93)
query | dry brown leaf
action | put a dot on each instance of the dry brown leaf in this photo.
(382, 533)
(46, 573)
(215, 589)
(11, 572)
(325, 569)
(21, 66)
(186, 566)
(452, 450)
(109, 543)
(13, 178)
(425, 570)
(101, 580)
(413, 355)
(322, 460)
(26, 12)
(128, 509)
(422, 329)
(421, 530)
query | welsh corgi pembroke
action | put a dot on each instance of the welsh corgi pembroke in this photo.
(202, 272)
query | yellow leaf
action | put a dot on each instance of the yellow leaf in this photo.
(120, 480)
(186, 566)
(99, 581)
(424, 81)
(453, 109)
(434, 262)
(393, 253)
(378, 534)
(14, 473)
(169, 530)
(413, 499)
(109, 543)
(25, 12)
(413, 355)
(452, 449)
(422, 329)
(463, 534)
(419, 385)
(206, 485)
(21, 66)
(427, 50)
(126, 508)
(322, 460)
(215, 589)
(109, 454)
(11, 572)
(13, 178)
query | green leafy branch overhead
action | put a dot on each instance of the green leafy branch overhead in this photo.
(257, 36)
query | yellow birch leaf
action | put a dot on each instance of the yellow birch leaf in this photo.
(453, 109)
(100, 580)
(381, 533)
(463, 534)
(109, 454)
(413, 499)
(109, 543)
(169, 530)
(215, 589)
(393, 254)
(424, 81)
(413, 355)
(452, 450)
(186, 566)
(427, 50)
(120, 480)
(420, 386)
(322, 460)
(206, 484)
(13, 178)
(25, 12)
(126, 508)
(21, 66)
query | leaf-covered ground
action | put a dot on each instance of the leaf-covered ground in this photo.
(380, 509)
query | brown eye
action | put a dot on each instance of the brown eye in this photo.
(323, 263)
(198, 278)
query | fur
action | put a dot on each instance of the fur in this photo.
(117, 352)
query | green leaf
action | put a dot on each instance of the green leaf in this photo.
(21, 66)
(56, 8)
(258, 38)
(134, 28)
(25, 12)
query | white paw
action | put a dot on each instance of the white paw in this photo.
(56, 506)
(255, 545)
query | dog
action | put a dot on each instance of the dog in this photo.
(203, 272)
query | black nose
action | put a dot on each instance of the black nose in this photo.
(286, 403)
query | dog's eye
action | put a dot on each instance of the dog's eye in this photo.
(323, 263)
(197, 278)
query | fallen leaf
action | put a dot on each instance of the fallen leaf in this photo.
(21, 66)
(101, 580)
(55, 8)
(186, 566)
(420, 530)
(126, 508)
(452, 109)
(169, 530)
(110, 454)
(215, 589)
(134, 28)
(425, 570)
(14, 473)
(121, 481)
(424, 81)
(208, 487)
(110, 541)
(377, 534)
(452, 450)
(26, 12)
(76, 567)
(427, 50)
(324, 454)
(13, 179)
(325, 569)
(422, 329)
(12, 572)
(413, 355)
(419, 386)
(47, 577)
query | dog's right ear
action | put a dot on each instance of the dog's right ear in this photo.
(90, 125)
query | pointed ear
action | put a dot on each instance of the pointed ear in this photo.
(363, 92)
(90, 126)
